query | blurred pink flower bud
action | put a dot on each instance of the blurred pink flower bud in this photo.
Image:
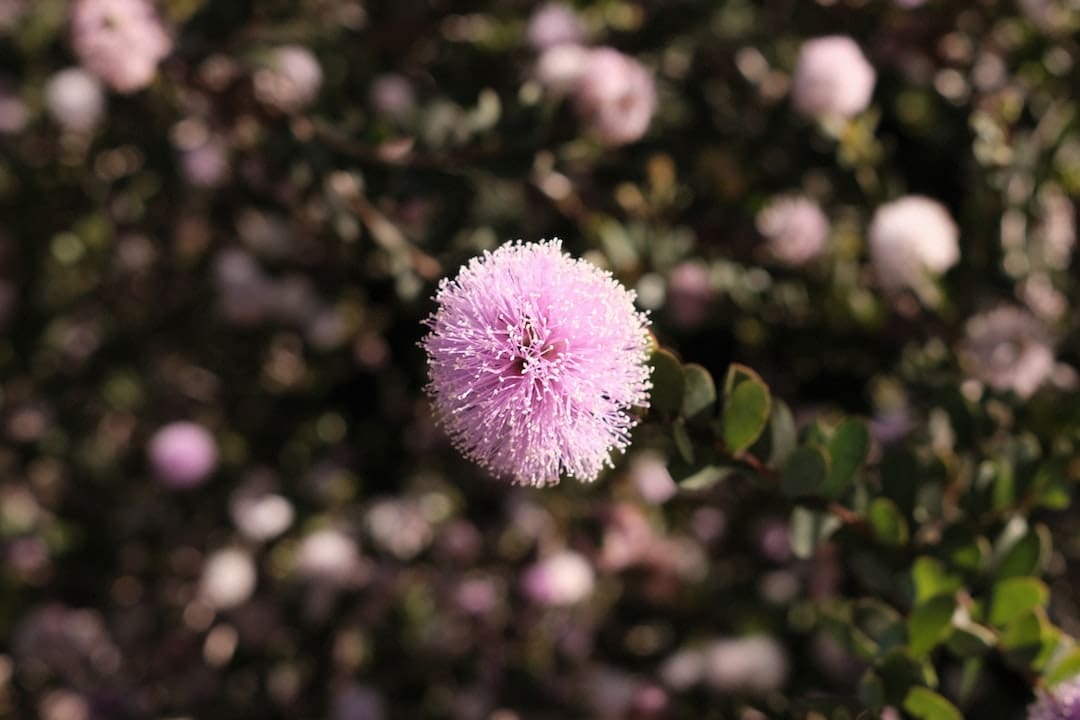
(649, 472)
(328, 556)
(756, 664)
(75, 99)
(615, 96)
(795, 229)
(565, 578)
(13, 112)
(291, 80)
(690, 293)
(393, 96)
(207, 164)
(554, 24)
(832, 78)
(183, 455)
(120, 41)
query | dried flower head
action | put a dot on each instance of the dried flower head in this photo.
(832, 78)
(536, 360)
(1007, 349)
(120, 41)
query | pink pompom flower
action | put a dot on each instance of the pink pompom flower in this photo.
(1060, 703)
(536, 360)
(183, 454)
(832, 78)
(615, 96)
(120, 41)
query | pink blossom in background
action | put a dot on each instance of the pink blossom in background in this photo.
(120, 41)
(328, 556)
(75, 99)
(756, 664)
(690, 293)
(536, 361)
(13, 112)
(183, 454)
(912, 240)
(206, 164)
(1058, 703)
(560, 67)
(795, 229)
(615, 96)
(565, 578)
(393, 96)
(1008, 349)
(832, 78)
(554, 24)
(291, 79)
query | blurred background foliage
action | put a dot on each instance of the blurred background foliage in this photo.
(250, 244)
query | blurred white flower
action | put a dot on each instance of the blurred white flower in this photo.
(327, 556)
(832, 78)
(794, 227)
(120, 41)
(1055, 229)
(228, 578)
(291, 80)
(559, 68)
(1008, 349)
(912, 241)
(258, 513)
(649, 473)
(399, 527)
(615, 96)
(756, 664)
(554, 24)
(75, 99)
(565, 578)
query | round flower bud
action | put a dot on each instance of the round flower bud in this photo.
(183, 455)
(228, 579)
(75, 99)
(120, 41)
(795, 229)
(554, 24)
(1007, 349)
(832, 78)
(292, 79)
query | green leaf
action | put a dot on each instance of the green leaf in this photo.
(746, 413)
(668, 382)
(929, 578)
(848, 449)
(738, 374)
(889, 525)
(971, 640)
(1013, 597)
(805, 472)
(1027, 555)
(1064, 667)
(871, 690)
(706, 477)
(929, 623)
(682, 441)
(783, 437)
(1022, 640)
(699, 394)
(876, 627)
(928, 705)
(809, 528)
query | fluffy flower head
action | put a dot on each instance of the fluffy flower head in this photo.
(1061, 703)
(183, 454)
(912, 240)
(615, 96)
(832, 78)
(120, 41)
(536, 360)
